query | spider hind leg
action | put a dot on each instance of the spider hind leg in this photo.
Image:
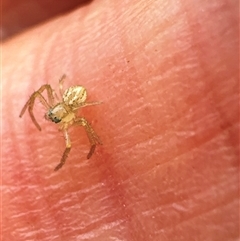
(92, 136)
(66, 152)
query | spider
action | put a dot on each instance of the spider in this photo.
(64, 113)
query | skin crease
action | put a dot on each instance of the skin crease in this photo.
(168, 169)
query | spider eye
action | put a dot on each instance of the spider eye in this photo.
(56, 120)
(52, 117)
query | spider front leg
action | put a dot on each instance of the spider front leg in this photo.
(31, 101)
(92, 136)
(90, 103)
(61, 84)
(66, 152)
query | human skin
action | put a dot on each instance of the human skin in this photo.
(167, 73)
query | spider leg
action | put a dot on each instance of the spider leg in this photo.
(31, 101)
(61, 84)
(90, 103)
(84, 104)
(66, 152)
(30, 108)
(50, 93)
(92, 136)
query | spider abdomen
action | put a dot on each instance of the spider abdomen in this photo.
(75, 96)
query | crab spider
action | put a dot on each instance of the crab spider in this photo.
(64, 113)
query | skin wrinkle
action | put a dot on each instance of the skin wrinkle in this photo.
(143, 173)
(96, 223)
(185, 182)
(191, 217)
(92, 225)
(192, 20)
(145, 179)
(113, 188)
(196, 215)
(50, 215)
(104, 227)
(165, 24)
(183, 111)
(160, 165)
(226, 203)
(175, 48)
(161, 134)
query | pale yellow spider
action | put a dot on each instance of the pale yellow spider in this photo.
(64, 113)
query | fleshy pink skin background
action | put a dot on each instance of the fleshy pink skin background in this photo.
(167, 72)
